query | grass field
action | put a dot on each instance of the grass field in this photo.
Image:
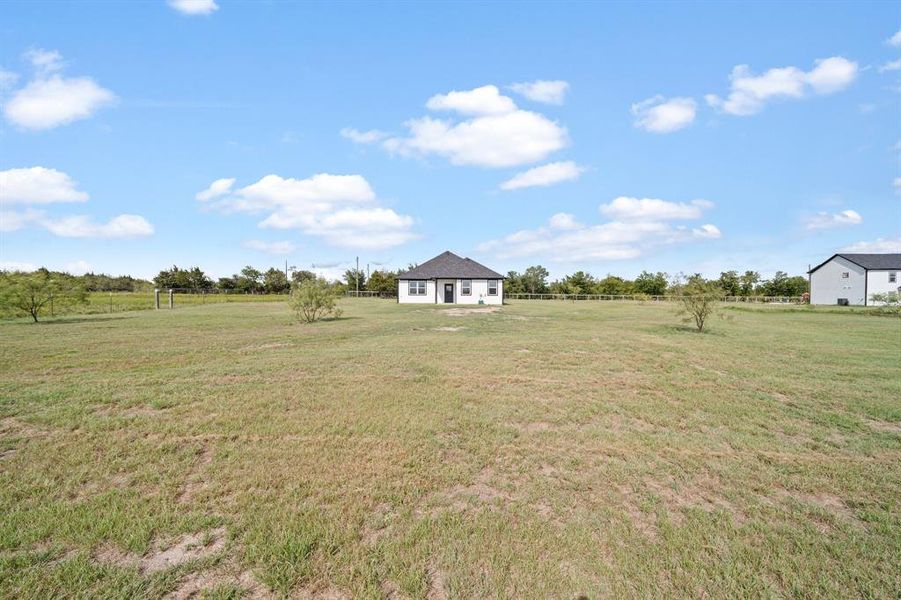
(545, 450)
(105, 302)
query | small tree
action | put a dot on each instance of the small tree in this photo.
(698, 301)
(315, 299)
(30, 293)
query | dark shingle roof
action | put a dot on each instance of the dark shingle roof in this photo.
(448, 264)
(870, 262)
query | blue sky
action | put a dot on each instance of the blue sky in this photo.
(605, 137)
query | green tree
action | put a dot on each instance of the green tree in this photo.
(275, 282)
(315, 299)
(355, 277)
(730, 283)
(579, 282)
(652, 284)
(31, 293)
(249, 280)
(193, 279)
(534, 280)
(514, 284)
(298, 277)
(384, 282)
(227, 283)
(612, 285)
(748, 282)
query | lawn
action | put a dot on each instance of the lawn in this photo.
(544, 450)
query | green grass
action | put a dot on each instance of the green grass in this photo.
(546, 450)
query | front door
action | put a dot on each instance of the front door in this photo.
(448, 293)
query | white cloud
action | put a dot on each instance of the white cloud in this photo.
(194, 7)
(877, 246)
(544, 175)
(661, 115)
(17, 265)
(81, 226)
(11, 220)
(563, 221)
(493, 132)
(485, 100)
(44, 61)
(363, 137)
(549, 92)
(50, 100)
(342, 209)
(826, 220)
(38, 185)
(220, 187)
(283, 247)
(894, 65)
(896, 184)
(509, 140)
(895, 40)
(8, 80)
(749, 93)
(625, 208)
(563, 239)
(78, 267)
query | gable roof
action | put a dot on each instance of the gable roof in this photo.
(870, 262)
(451, 266)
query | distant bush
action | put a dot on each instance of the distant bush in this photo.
(315, 299)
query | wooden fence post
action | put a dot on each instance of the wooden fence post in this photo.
(171, 298)
(156, 298)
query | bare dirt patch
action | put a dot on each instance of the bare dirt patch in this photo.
(195, 482)
(535, 427)
(449, 329)
(477, 495)
(884, 426)
(14, 427)
(465, 312)
(437, 584)
(188, 547)
(698, 493)
(194, 585)
(264, 347)
(826, 502)
(378, 524)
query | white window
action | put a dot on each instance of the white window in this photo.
(466, 287)
(492, 287)
(416, 288)
(892, 276)
(845, 274)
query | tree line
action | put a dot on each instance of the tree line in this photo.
(534, 281)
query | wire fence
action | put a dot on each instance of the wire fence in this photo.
(370, 294)
(651, 298)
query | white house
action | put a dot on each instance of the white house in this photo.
(449, 279)
(852, 279)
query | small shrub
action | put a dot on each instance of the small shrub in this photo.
(698, 301)
(315, 299)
